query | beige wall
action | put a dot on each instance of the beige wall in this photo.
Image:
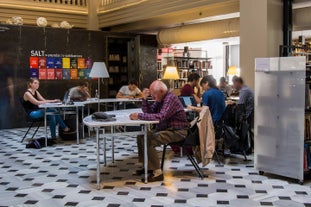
(260, 33)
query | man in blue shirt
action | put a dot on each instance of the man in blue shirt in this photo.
(213, 98)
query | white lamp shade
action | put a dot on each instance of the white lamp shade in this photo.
(99, 70)
(171, 73)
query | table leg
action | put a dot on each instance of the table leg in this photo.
(112, 144)
(98, 160)
(82, 116)
(45, 127)
(145, 153)
(105, 155)
(77, 123)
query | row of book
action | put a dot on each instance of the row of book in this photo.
(60, 74)
(193, 64)
(58, 62)
(307, 156)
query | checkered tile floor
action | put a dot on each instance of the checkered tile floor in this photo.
(64, 175)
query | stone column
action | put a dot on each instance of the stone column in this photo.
(260, 33)
(92, 18)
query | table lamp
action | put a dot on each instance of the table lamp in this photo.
(232, 71)
(99, 70)
(171, 74)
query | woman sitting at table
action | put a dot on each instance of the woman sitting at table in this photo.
(32, 100)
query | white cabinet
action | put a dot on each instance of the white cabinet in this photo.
(279, 116)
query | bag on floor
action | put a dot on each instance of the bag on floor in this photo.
(39, 143)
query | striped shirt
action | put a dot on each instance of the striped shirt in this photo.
(169, 112)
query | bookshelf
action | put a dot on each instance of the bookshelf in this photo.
(195, 60)
(117, 64)
(281, 111)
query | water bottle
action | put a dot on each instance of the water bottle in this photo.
(96, 94)
(68, 99)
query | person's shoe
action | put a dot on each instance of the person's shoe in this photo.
(152, 178)
(67, 129)
(142, 172)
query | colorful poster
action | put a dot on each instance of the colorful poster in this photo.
(33, 62)
(87, 73)
(66, 63)
(34, 73)
(42, 62)
(58, 74)
(58, 63)
(50, 62)
(73, 73)
(81, 73)
(81, 63)
(88, 63)
(51, 74)
(66, 74)
(73, 63)
(42, 74)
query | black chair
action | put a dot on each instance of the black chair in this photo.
(191, 140)
(33, 122)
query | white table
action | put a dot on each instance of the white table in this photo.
(122, 119)
(110, 100)
(60, 106)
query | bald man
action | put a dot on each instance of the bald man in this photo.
(169, 111)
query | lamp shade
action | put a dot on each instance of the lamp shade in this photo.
(171, 73)
(99, 70)
(232, 70)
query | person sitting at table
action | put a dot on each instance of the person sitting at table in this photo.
(32, 100)
(225, 87)
(80, 92)
(169, 111)
(212, 97)
(246, 97)
(188, 88)
(130, 91)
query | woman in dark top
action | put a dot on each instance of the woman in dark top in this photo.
(32, 98)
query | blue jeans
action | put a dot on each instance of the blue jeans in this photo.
(53, 120)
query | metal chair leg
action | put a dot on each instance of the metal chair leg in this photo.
(163, 156)
(217, 157)
(36, 130)
(196, 166)
(28, 130)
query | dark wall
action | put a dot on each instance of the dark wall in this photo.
(16, 42)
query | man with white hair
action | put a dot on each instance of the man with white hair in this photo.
(172, 127)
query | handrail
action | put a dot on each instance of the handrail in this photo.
(111, 5)
(80, 3)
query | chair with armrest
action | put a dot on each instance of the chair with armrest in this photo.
(33, 121)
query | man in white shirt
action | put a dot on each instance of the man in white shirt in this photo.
(130, 91)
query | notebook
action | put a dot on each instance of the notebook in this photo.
(187, 100)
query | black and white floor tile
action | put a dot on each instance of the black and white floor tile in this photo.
(65, 175)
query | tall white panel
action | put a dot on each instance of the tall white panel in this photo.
(279, 118)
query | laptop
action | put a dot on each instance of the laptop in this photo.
(187, 100)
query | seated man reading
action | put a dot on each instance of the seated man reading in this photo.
(130, 91)
(172, 127)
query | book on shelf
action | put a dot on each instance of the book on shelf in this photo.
(307, 127)
(307, 157)
(308, 97)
